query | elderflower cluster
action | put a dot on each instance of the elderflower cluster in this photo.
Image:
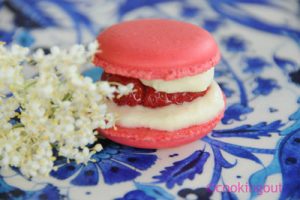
(58, 109)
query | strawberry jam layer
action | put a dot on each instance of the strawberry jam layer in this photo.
(147, 96)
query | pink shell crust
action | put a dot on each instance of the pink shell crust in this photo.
(156, 139)
(156, 49)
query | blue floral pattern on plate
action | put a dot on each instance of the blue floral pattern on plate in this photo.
(117, 164)
(249, 155)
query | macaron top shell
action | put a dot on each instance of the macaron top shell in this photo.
(156, 49)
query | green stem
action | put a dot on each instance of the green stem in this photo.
(19, 125)
(31, 83)
(67, 97)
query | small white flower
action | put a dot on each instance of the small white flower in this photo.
(106, 89)
(5, 161)
(15, 160)
(93, 47)
(39, 55)
(98, 147)
(55, 50)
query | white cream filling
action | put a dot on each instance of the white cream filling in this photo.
(172, 117)
(197, 83)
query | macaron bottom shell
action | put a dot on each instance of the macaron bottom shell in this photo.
(156, 139)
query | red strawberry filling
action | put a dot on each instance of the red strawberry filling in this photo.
(147, 96)
(132, 99)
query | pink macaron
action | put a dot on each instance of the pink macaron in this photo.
(171, 64)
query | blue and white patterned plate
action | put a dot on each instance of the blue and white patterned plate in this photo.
(252, 154)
